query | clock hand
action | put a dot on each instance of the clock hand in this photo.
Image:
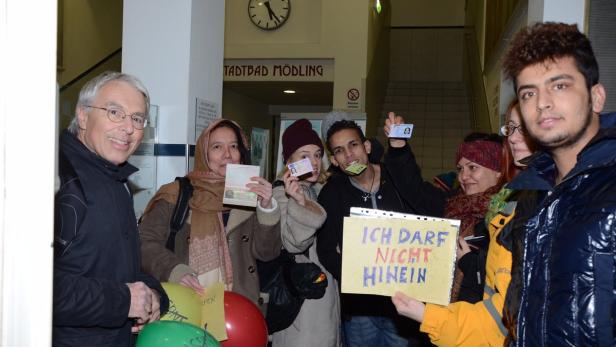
(271, 13)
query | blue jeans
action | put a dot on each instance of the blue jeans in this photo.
(373, 331)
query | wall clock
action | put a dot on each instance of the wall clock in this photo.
(269, 14)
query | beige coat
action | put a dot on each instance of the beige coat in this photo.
(318, 321)
(251, 235)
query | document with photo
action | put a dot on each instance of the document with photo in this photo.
(236, 192)
(300, 167)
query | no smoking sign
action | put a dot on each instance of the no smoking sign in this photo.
(352, 98)
(353, 94)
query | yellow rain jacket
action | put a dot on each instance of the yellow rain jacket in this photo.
(480, 324)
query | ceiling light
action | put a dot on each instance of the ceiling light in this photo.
(289, 91)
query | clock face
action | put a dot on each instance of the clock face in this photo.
(269, 14)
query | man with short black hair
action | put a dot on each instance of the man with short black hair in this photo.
(100, 293)
(568, 295)
(368, 320)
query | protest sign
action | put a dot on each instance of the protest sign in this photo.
(384, 252)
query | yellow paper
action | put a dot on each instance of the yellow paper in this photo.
(384, 255)
(184, 304)
(213, 311)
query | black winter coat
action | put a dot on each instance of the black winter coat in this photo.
(97, 250)
(569, 282)
(337, 197)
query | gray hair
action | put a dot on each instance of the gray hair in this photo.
(90, 90)
(330, 119)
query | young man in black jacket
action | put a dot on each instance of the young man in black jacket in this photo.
(368, 320)
(100, 294)
(568, 277)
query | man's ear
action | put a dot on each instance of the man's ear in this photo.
(333, 160)
(368, 146)
(82, 117)
(597, 97)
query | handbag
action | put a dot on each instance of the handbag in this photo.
(288, 284)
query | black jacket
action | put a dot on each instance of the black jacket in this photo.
(422, 197)
(337, 197)
(97, 250)
(569, 270)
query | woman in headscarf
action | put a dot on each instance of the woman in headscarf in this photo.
(478, 160)
(480, 324)
(218, 243)
(478, 163)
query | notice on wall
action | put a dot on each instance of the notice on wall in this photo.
(353, 96)
(205, 113)
(384, 252)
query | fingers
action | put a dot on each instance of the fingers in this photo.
(140, 301)
(262, 188)
(464, 245)
(388, 123)
(155, 306)
(408, 306)
(260, 180)
(136, 328)
(400, 298)
(191, 282)
(288, 179)
(462, 248)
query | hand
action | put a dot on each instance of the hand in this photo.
(292, 188)
(389, 122)
(191, 281)
(140, 302)
(154, 316)
(463, 248)
(409, 307)
(263, 189)
(155, 306)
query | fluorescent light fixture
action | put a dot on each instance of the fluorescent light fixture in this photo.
(289, 91)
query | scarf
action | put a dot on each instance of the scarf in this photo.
(469, 209)
(208, 250)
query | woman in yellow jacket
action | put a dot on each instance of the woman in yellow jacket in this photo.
(480, 324)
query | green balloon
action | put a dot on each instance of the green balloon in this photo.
(174, 334)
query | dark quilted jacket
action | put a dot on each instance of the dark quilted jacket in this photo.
(569, 283)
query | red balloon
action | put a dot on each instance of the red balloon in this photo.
(245, 324)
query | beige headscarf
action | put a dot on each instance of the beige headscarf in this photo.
(208, 250)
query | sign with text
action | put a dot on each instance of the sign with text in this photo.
(308, 70)
(205, 113)
(384, 252)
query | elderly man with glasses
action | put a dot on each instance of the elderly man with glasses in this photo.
(100, 294)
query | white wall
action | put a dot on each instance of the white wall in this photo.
(28, 135)
(176, 49)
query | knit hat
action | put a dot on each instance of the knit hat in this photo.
(485, 153)
(299, 134)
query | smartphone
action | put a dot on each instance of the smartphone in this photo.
(475, 240)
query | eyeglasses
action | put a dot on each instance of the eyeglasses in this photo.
(118, 115)
(509, 128)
